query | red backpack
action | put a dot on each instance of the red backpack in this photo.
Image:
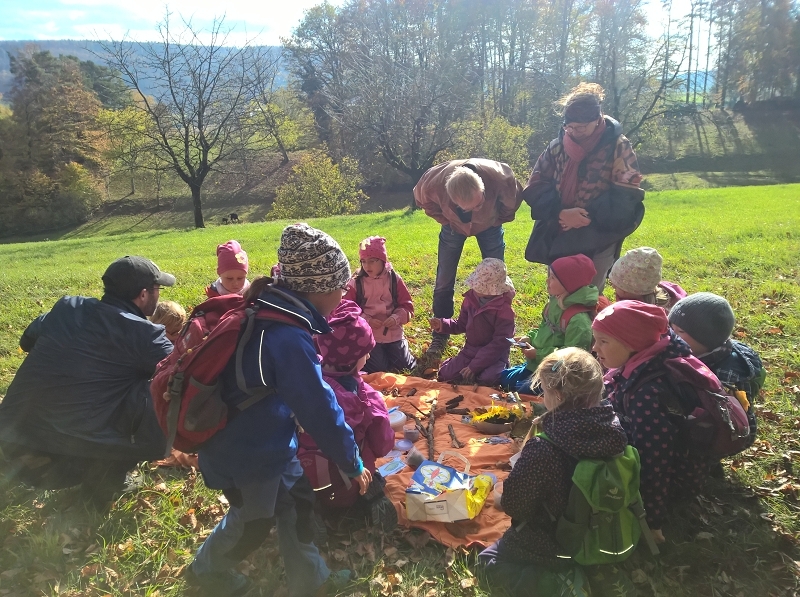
(332, 487)
(712, 420)
(186, 393)
(573, 310)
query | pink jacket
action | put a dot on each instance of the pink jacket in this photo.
(502, 191)
(365, 412)
(487, 328)
(377, 304)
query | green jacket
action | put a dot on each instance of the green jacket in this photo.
(549, 336)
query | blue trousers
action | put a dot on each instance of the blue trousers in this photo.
(517, 379)
(451, 244)
(305, 569)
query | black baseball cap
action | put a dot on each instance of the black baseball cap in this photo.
(128, 276)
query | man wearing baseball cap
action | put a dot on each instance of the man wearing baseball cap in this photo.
(79, 411)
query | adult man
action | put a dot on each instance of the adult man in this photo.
(79, 409)
(468, 198)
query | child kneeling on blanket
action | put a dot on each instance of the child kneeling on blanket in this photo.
(579, 424)
(487, 319)
(343, 354)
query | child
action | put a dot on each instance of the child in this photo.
(705, 321)
(172, 316)
(232, 269)
(344, 352)
(386, 311)
(633, 341)
(579, 424)
(637, 276)
(572, 296)
(487, 319)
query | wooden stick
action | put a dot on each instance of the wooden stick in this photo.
(431, 424)
(419, 411)
(455, 442)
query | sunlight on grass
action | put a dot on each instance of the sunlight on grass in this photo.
(743, 243)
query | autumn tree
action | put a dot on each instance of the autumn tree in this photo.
(200, 100)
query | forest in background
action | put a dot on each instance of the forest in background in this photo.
(376, 93)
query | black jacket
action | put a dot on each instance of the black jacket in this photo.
(83, 389)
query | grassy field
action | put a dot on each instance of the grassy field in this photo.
(739, 538)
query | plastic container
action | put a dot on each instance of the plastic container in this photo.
(403, 445)
(497, 493)
(414, 458)
(410, 432)
(397, 419)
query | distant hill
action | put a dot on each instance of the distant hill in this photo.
(82, 49)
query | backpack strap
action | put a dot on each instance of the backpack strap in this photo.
(393, 288)
(359, 291)
(571, 312)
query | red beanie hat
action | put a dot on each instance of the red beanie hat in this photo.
(575, 271)
(374, 246)
(231, 256)
(350, 339)
(634, 323)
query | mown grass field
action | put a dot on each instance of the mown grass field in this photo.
(740, 538)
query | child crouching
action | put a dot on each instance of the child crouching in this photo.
(566, 319)
(579, 424)
(487, 319)
(344, 352)
(633, 341)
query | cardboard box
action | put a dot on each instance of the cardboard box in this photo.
(439, 492)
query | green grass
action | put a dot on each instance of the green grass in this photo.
(743, 243)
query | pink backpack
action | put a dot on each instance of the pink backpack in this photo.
(332, 487)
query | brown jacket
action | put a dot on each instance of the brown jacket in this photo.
(502, 191)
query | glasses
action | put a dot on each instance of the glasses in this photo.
(579, 127)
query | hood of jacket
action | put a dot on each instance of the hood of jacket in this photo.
(290, 303)
(612, 132)
(740, 362)
(585, 295)
(586, 432)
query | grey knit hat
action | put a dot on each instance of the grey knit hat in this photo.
(706, 317)
(311, 261)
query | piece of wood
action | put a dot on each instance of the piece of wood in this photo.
(431, 425)
(455, 441)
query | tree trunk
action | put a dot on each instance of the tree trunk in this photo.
(198, 209)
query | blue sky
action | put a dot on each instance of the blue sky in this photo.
(263, 21)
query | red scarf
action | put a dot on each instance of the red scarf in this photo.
(576, 153)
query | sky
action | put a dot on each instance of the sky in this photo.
(263, 22)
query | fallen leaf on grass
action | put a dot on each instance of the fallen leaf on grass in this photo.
(704, 535)
(400, 563)
(639, 576)
(466, 583)
(774, 330)
(449, 557)
(160, 487)
(339, 555)
(389, 551)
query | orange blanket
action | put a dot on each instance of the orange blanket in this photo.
(491, 523)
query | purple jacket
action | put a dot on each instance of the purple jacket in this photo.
(487, 328)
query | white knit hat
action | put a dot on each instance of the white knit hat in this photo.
(637, 272)
(490, 278)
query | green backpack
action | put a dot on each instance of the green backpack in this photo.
(605, 516)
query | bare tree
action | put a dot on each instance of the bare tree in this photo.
(199, 95)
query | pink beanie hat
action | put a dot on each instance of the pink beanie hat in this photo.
(350, 339)
(374, 246)
(231, 256)
(574, 272)
(634, 323)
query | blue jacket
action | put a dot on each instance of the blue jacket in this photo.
(257, 443)
(83, 389)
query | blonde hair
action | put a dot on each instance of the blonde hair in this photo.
(582, 99)
(462, 184)
(169, 314)
(574, 375)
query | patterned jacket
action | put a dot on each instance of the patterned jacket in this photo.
(668, 467)
(608, 188)
(542, 478)
(502, 192)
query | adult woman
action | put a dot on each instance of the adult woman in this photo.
(253, 459)
(584, 189)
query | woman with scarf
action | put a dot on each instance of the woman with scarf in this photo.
(584, 189)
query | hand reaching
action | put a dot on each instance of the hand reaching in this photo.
(529, 352)
(364, 480)
(468, 374)
(436, 324)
